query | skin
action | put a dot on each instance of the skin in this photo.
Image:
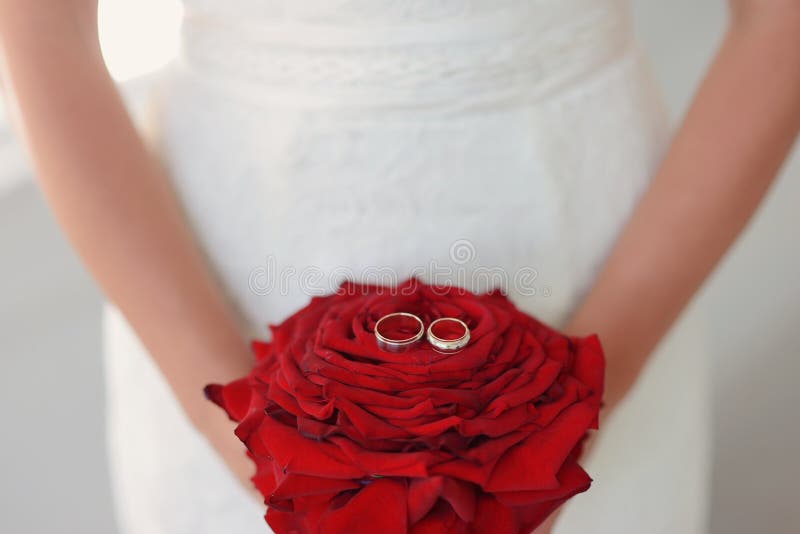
(98, 176)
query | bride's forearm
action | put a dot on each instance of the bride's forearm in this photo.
(113, 201)
(739, 128)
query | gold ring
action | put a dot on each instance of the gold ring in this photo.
(448, 334)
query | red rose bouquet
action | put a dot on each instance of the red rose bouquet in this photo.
(349, 437)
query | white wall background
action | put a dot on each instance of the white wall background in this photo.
(52, 467)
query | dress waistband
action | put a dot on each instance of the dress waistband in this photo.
(504, 54)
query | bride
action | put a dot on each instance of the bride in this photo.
(317, 136)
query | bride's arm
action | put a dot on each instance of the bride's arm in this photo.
(739, 128)
(114, 203)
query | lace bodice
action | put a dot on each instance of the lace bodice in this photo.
(395, 53)
(331, 107)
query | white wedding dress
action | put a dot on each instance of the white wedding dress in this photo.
(309, 139)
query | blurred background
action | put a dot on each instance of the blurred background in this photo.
(53, 475)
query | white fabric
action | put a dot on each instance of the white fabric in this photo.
(335, 136)
(14, 169)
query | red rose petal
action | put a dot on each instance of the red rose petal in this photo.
(422, 496)
(479, 441)
(534, 463)
(491, 517)
(296, 454)
(235, 398)
(572, 479)
(294, 485)
(441, 520)
(379, 507)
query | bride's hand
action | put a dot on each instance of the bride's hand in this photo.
(218, 430)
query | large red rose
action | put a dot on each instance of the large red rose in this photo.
(347, 438)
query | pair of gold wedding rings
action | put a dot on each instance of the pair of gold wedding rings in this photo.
(401, 331)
